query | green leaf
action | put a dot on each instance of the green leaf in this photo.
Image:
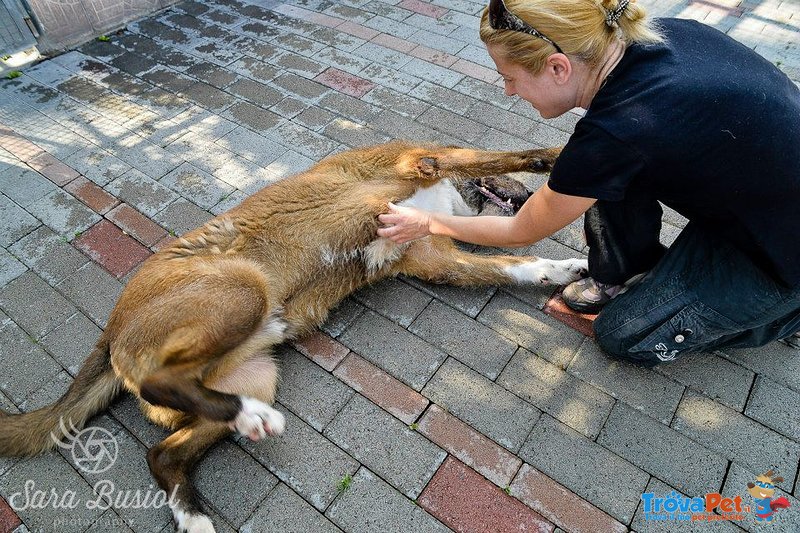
(14, 74)
(104, 38)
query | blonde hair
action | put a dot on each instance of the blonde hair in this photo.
(578, 27)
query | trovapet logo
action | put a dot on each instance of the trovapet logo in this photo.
(714, 507)
(762, 492)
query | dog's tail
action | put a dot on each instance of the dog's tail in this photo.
(93, 389)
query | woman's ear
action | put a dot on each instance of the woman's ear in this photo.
(560, 68)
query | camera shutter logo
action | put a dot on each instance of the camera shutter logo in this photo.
(94, 449)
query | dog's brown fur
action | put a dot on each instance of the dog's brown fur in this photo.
(190, 335)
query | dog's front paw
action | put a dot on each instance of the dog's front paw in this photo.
(256, 420)
(542, 160)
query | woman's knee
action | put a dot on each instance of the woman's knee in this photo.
(621, 343)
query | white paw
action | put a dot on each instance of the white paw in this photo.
(192, 523)
(548, 271)
(256, 420)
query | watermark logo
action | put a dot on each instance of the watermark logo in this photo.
(763, 493)
(94, 449)
(714, 507)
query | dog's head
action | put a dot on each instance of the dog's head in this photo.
(496, 195)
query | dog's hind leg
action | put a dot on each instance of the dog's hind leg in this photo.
(468, 163)
(438, 260)
(171, 462)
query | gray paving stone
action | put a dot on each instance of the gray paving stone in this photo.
(190, 182)
(344, 61)
(254, 68)
(397, 301)
(200, 151)
(662, 451)
(15, 222)
(468, 300)
(585, 467)
(10, 267)
(399, 103)
(71, 342)
(662, 490)
(63, 213)
(48, 254)
(97, 164)
(147, 157)
(337, 39)
(385, 445)
(783, 519)
(386, 25)
(305, 460)
(182, 216)
(775, 361)
(299, 64)
(233, 482)
(640, 388)
(483, 92)
(475, 345)
(573, 402)
(736, 437)
(349, 107)
(775, 406)
(34, 305)
(531, 329)
(315, 118)
(300, 86)
(352, 135)
(212, 74)
(311, 393)
(717, 378)
(453, 124)
(342, 316)
(24, 185)
(283, 510)
(402, 82)
(252, 146)
(302, 140)
(442, 97)
(408, 358)
(433, 73)
(252, 116)
(245, 175)
(93, 290)
(370, 505)
(142, 192)
(229, 202)
(49, 472)
(484, 405)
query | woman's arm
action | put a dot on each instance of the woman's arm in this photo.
(542, 215)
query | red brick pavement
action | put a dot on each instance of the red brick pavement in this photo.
(108, 246)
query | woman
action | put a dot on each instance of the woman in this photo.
(676, 112)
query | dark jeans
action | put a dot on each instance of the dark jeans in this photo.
(699, 295)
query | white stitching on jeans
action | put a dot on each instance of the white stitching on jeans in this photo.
(664, 354)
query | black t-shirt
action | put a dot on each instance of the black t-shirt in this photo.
(708, 127)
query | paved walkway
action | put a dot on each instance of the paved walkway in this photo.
(416, 408)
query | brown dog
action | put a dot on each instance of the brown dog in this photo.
(191, 333)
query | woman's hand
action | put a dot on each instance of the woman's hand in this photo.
(403, 224)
